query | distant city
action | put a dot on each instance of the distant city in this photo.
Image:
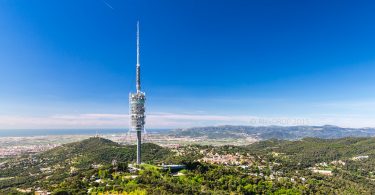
(18, 142)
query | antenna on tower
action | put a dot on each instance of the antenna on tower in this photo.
(138, 85)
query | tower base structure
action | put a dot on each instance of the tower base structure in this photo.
(137, 118)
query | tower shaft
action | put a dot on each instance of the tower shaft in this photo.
(139, 138)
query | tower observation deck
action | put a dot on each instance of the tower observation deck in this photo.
(137, 105)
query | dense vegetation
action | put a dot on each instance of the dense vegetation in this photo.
(50, 168)
(266, 167)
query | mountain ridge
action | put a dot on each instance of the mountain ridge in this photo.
(274, 132)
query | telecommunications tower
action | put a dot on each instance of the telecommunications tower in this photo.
(137, 105)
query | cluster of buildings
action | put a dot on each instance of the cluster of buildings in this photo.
(30, 149)
(325, 168)
(360, 157)
(227, 159)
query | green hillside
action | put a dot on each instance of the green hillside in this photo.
(307, 166)
(99, 150)
(54, 166)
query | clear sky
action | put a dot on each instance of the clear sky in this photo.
(71, 63)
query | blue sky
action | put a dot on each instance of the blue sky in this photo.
(71, 64)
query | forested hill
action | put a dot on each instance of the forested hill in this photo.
(100, 150)
(71, 159)
(274, 132)
(308, 151)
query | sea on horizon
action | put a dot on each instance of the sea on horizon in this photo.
(46, 132)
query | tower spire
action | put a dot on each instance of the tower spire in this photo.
(138, 85)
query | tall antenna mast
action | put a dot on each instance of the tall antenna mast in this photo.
(138, 85)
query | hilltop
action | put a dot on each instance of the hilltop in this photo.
(99, 150)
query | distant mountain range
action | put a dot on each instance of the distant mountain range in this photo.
(274, 132)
